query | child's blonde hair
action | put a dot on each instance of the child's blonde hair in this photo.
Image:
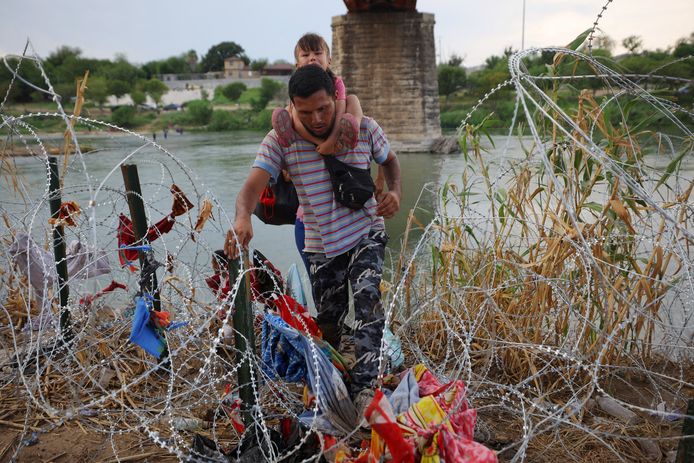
(311, 42)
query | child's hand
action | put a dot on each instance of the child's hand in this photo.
(326, 147)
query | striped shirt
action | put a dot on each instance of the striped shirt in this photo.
(331, 228)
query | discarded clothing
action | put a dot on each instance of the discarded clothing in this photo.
(38, 264)
(266, 279)
(281, 351)
(439, 426)
(181, 204)
(126, 237)
(89, 298)
(67, 213)
(393, 348)
(204, 214)
(295, 315)
(85, 261)
(286, 350)
(219, 285)
(294, 286)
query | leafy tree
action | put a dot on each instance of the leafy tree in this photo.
(123, 70)
(97, 90)
(214, 59)
(138, 97)
(65, 90)
(268, 90)
(492, 61)
(191, 58)
(200, 111)
(451, 79)
(19, 92)
(171, 65)
(118, 88)
(156, 89)
(62, 54)
(258, 64)
(633, 43)
(684, 47)
(455, 60)
(234, 90)
(124, 116)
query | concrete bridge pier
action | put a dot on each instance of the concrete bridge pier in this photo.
(388, 59)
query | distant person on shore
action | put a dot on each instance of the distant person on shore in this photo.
(345, 242)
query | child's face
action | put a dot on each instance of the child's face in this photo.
(319, 57)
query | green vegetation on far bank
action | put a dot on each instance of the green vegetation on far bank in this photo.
(236, 107)
(666, 74)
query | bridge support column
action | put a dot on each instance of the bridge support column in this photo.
(388, 59)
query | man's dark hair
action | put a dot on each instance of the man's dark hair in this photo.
(307, 80)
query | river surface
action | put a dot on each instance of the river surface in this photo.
(203, 165)
(214, 165)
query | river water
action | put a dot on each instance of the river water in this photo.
(212, 165)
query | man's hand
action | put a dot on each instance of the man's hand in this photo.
(245, 203)
(388, 204)
(244, 233)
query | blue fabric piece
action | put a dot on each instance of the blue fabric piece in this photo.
(405, 395)
(175, 325)
(281, 352)
(143, 334)
(282, 344)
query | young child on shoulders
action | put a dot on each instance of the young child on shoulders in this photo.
(312, 49)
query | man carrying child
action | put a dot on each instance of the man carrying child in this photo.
(345, 246)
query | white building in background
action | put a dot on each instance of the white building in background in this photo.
(188, 87)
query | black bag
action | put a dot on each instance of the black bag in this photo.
(278, 203)
(352, 186)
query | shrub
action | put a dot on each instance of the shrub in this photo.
(124, 116)
(249, 95)
(200, 111)
(234, 90)
(262, 120)
(227, 120)
(452, 119)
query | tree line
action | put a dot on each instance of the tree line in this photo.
(460, 89)
(116, 77)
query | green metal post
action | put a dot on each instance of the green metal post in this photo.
(59, 251)
(131, 179)
(245, 339)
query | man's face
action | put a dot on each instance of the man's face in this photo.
(316, 113)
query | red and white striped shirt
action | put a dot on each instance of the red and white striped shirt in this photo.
(330, 227)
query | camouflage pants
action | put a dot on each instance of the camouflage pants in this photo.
(362, 268)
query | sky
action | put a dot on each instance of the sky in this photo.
(145, 30)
